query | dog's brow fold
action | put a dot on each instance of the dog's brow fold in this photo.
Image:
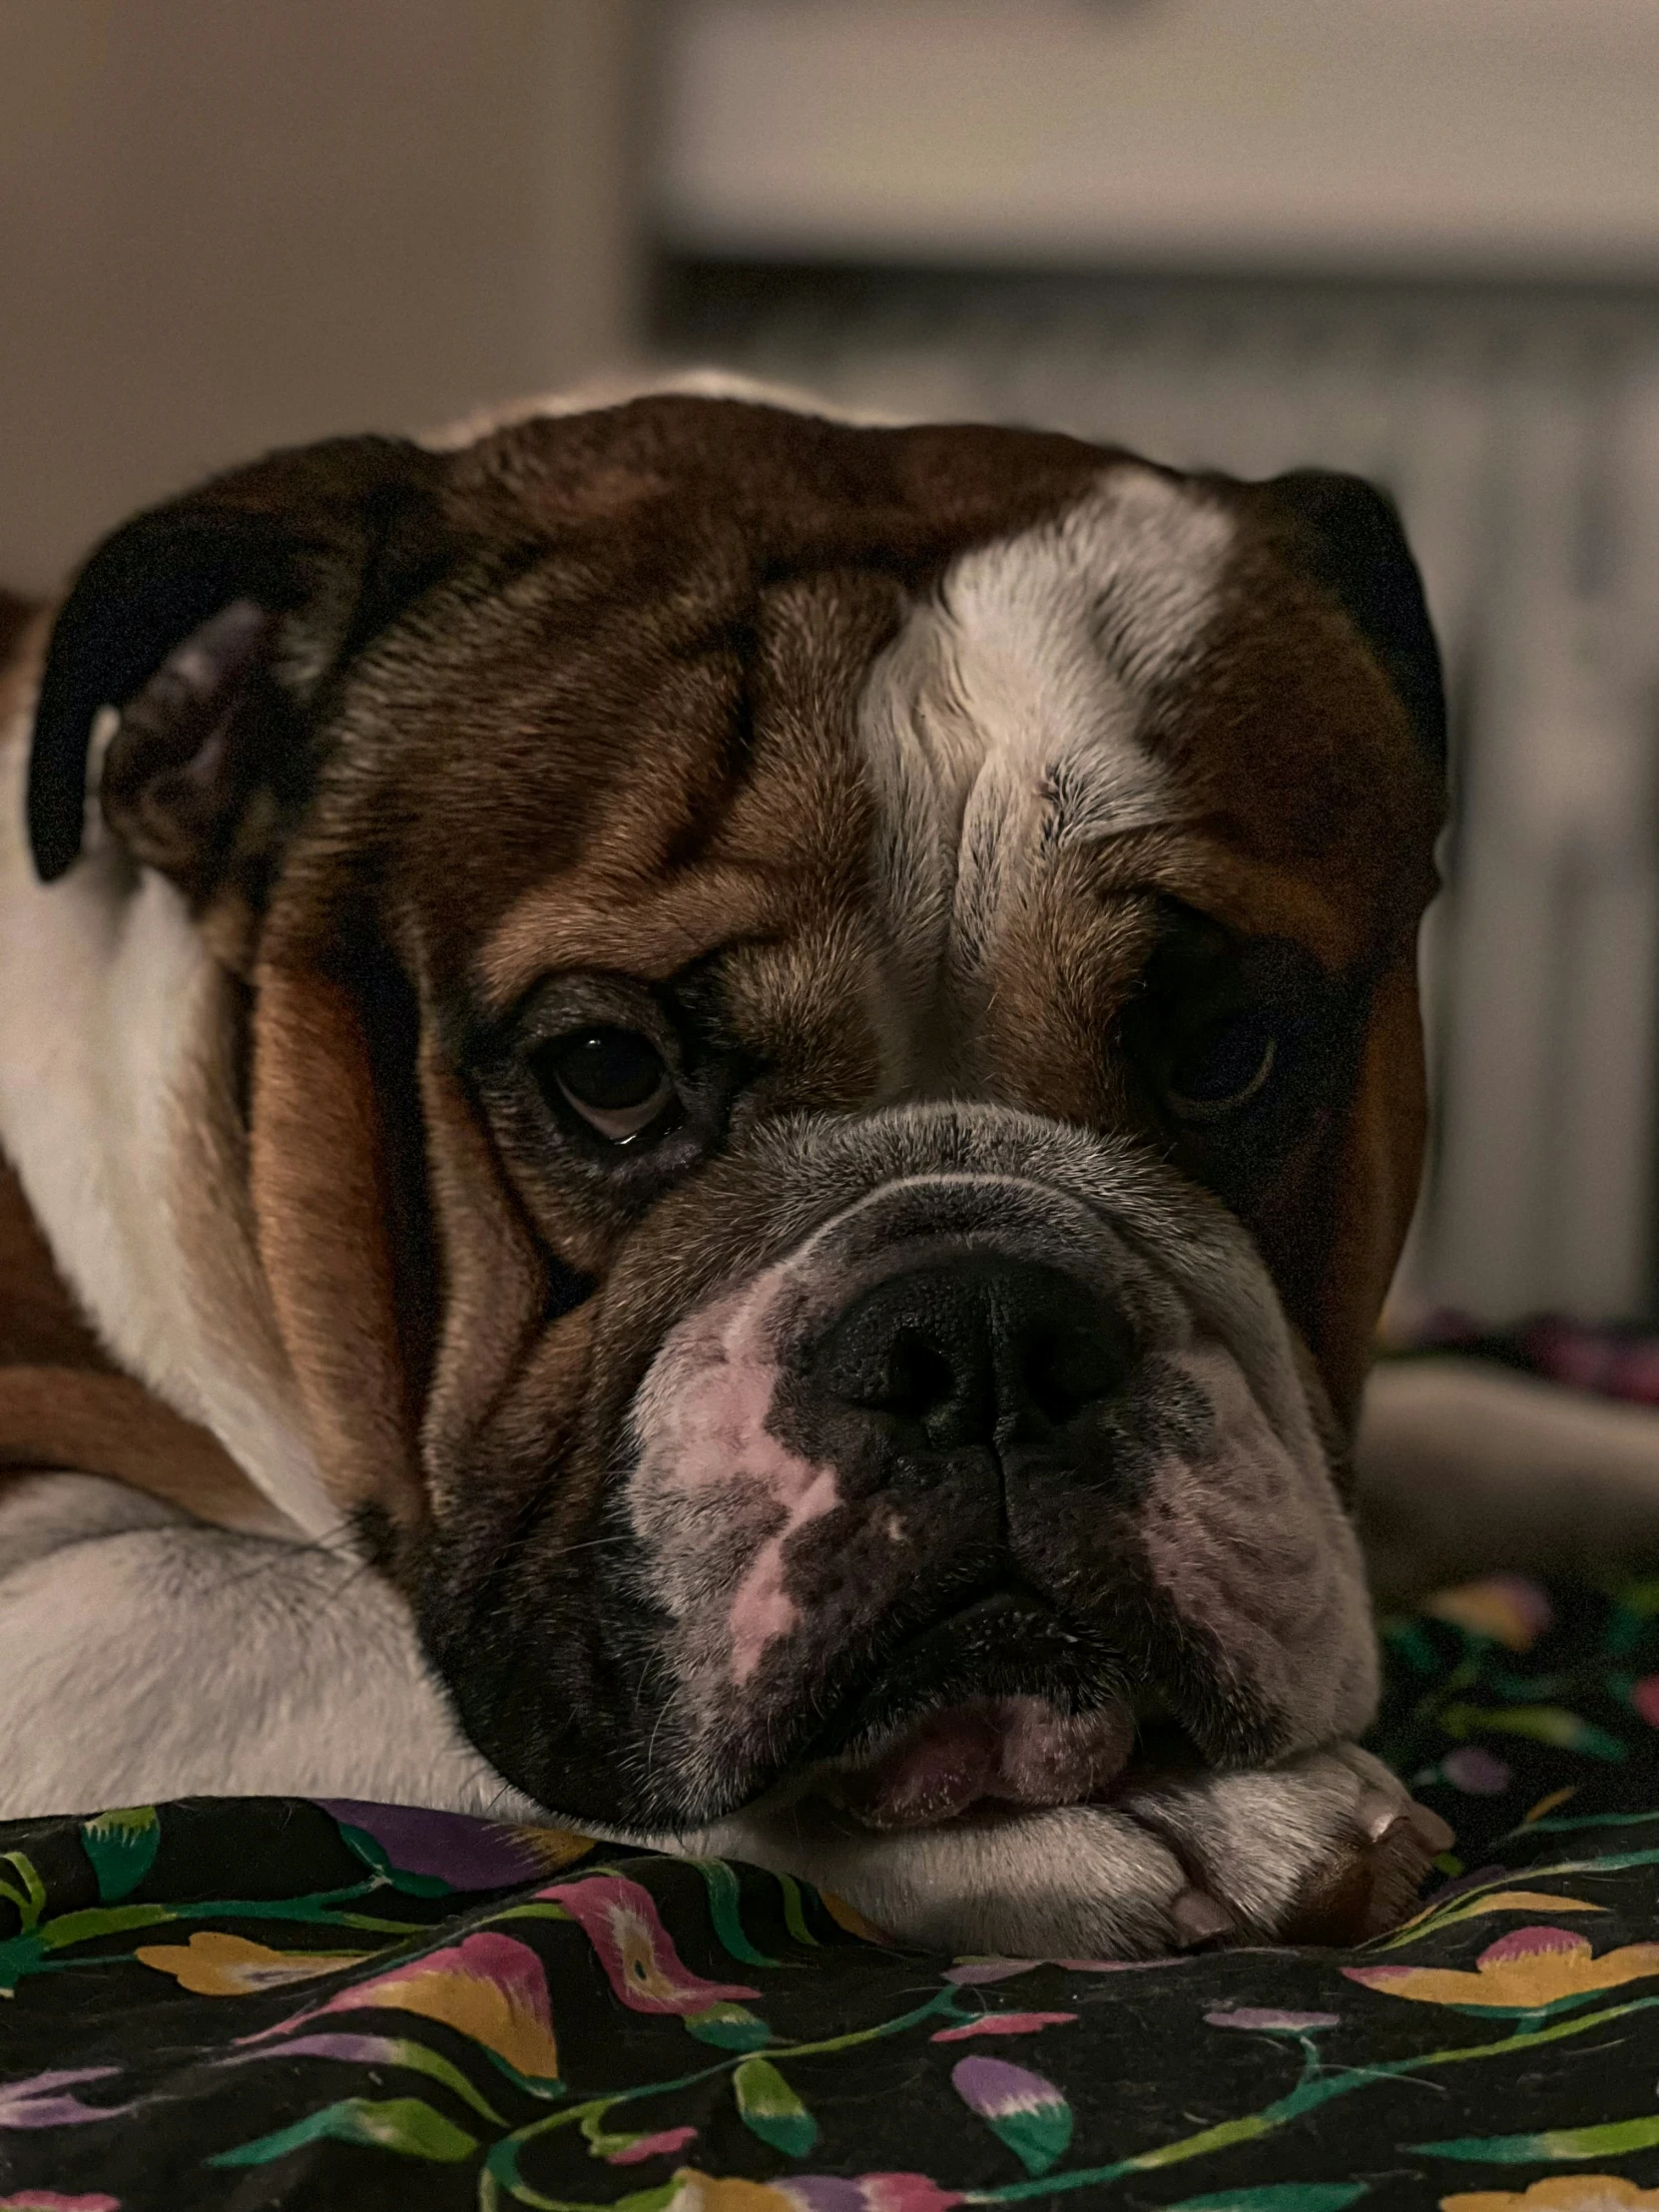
(560, 926)
(653, 936)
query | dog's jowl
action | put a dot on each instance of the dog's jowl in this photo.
(731, 1096)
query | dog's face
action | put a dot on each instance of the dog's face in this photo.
(819, 1068)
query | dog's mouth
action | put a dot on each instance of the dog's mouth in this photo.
(992, 1708)
(1013, 1752)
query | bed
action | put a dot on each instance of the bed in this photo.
(274, 2002)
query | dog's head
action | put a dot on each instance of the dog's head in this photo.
(814, 1069)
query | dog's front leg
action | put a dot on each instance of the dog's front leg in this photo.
(1327, 1847)
(145, 1655)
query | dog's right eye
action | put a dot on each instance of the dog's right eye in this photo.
(616, 1079)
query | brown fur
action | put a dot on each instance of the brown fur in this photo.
(659, 769)
(583, 699)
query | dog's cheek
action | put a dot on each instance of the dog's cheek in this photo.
(321, 1200)
(495, 1295)
(1251, 1550)
(1373, 1188)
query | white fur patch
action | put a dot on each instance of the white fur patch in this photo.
(107, 994)
(143, 1656)
(1084, 1882)
(1004, 721)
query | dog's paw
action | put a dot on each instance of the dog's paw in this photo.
(1329, 1848)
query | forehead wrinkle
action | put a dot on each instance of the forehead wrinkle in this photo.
(651, 931)
(1209, 873)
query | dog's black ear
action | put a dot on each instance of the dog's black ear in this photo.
(1349, 534)
(210, 625)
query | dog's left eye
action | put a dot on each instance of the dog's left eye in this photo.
(614, 1079)
(1220, 1066)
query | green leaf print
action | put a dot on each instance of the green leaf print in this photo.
(771, 2109)
(1614, 2139)
(406, 2125)
(122, 1846)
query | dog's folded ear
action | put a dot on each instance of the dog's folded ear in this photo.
(1349, 535)
(211, 624)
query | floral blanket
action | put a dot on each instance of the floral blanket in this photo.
(249, 2003)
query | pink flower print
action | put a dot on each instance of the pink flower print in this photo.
(993, 2087)
(54, 2200)
(868, 2193)
(621, 1922)
(37, 2103)
(969, 1973)
(1003, 2023)
(699, 2192)
(1124, 1965)
(1644, 1696)
(906, 2193)
(662, 2145)
(490, 1987)
(972, 1973)
(1475, 1772)
(1027, 2112)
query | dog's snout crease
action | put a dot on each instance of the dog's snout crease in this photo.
(974, 1354)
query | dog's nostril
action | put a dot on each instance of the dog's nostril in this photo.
(921, 1379)
(1072, 1367)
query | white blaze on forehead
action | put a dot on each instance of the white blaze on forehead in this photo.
(1005, 718)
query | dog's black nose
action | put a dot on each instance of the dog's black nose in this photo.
(975, 1351)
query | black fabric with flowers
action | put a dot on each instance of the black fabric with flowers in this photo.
(252, 2002)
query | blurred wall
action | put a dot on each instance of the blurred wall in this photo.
(225, 226)
(1413, 136)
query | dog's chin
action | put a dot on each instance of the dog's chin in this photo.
(990, 1712)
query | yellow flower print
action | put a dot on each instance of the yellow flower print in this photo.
(695, 2192)
(1562, 2193)
(1528, 1971)
(213, 1965)
(1509, 1609)
(849, 1917)
(489, 1988)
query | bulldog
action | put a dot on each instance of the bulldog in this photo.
(708, 1110)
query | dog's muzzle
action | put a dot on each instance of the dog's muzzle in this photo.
(959, 1377)
(1001, 1460)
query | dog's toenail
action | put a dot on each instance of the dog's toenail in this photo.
(1197, 1919)
(1379, 1814)
(1430, 1831)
